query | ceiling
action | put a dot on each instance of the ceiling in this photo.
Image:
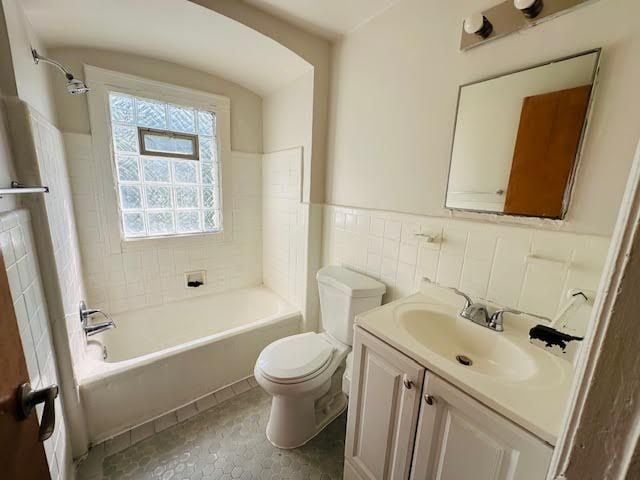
(176, 31)
(328, 18)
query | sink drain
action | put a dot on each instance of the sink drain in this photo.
(464, 360)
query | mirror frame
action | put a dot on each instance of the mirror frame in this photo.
(571, 181)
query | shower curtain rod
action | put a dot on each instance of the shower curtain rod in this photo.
(17, 188)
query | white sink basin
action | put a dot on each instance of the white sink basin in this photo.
(441, 330)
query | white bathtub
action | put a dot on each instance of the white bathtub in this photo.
(162, 358)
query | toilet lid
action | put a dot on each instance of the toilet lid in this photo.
(295, 357)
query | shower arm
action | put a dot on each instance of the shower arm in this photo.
(39, 58)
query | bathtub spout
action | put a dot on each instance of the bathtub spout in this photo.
(90, 330)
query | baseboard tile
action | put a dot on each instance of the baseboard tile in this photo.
(125, 439)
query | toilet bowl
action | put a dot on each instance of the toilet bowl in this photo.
(304, 373)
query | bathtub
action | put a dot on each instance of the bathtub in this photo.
(161, 358)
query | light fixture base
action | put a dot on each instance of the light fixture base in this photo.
(486, 30)
(533, 10)
(506, 18)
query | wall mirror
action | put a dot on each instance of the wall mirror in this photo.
(517, 139)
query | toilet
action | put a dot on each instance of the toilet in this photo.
(304, 373)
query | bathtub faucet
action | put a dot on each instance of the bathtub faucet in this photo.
(86, 313)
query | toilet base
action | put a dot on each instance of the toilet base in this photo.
(294, 421)
(307, 434)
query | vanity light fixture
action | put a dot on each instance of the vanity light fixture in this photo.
(529, 8)
(510, 16)
(478, 24)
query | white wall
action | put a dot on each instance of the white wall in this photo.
(25, 282)
(16, 39)
(7, 87)
(31, 80)
(315, 50)
(7, 170)
(73, 113)
(287, 119)
(393, 100)
(151, 272)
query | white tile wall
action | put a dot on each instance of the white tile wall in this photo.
(39, 147)
(25, 282)
(486, 260)
(151, 272)
(284, 224)
(58, 222)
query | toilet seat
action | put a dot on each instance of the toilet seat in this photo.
(295, 359)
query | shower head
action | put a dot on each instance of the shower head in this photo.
(77, 87)
(74, 86)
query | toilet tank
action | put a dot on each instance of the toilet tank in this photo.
(343, 295)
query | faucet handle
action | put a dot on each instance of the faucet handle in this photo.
(497, 315)
(466, 297)
(502, 311)
(496, 322)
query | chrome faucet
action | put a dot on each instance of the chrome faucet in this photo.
(478, 313)
(94, 329)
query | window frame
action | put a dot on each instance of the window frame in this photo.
(195, 142)
(105, 172)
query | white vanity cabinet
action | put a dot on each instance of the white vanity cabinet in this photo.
(458, 438)
(406, 423)
(383, 411)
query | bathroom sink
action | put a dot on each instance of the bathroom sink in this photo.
(441, 330)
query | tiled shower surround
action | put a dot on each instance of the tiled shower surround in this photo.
(39, 145)
(25, 282)
(55, 220)
(152, 271)
(523, 268)
(285, 220)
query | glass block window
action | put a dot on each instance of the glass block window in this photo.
(166, 167)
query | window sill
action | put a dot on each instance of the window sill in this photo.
(179, 240)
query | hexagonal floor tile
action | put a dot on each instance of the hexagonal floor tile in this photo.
(229, 442)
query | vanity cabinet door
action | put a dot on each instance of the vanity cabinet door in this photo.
(383, 411)
(460, 439)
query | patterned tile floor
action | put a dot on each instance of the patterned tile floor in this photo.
(229, 442)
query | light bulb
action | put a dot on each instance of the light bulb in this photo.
(478, 24)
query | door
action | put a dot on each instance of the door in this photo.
(460, 439)
(546, 148)
(21, 452)
(383, 411)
